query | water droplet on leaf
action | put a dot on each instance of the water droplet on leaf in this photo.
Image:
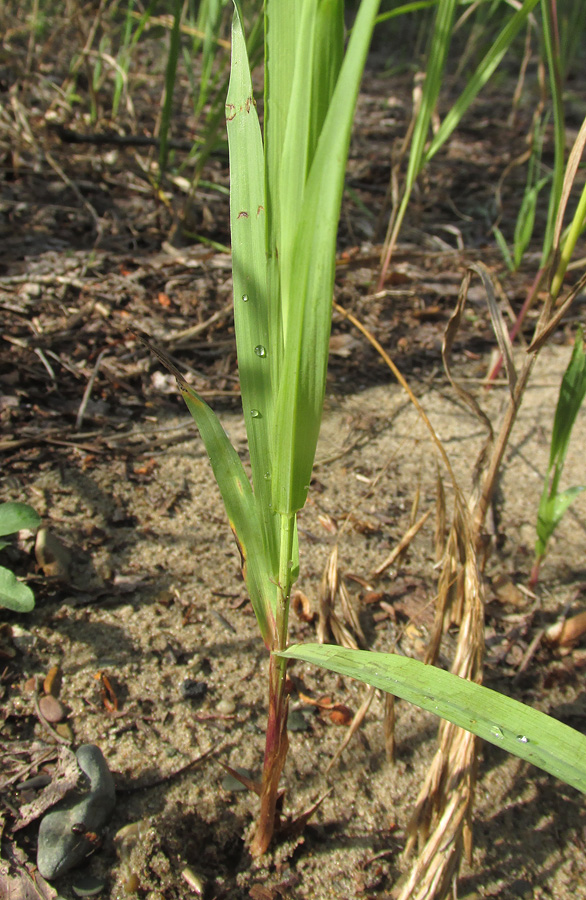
(522, 739)
(267, 476)
(245, 298)
(260, 350)
(255, 413)
(497, 732)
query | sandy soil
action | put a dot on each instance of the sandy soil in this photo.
(155, 598)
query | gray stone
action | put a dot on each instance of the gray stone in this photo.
(72, 830)
(88, 886)
(297, 721)
(229, 783)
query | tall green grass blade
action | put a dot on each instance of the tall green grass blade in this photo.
(552, 52)
(327, 61)
(415, 6)
(307, 269)
(480, 77)
(438, 51)
(170, 75)
(249, 267)
(504, 722)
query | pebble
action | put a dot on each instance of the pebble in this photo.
(126, 839)
(229, 783)
(88, 886)
(51, 709)
(52, 682)
(193, 690)
(35, 783)
(59, 847)
(226, 707)
(65, 730)
(297, 721)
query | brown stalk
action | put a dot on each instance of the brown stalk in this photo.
(276, 746)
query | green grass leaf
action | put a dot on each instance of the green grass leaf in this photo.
(241, 507)
(307, 269)
(506, 723)
(255, 347)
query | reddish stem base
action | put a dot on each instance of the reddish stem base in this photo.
(277, 744)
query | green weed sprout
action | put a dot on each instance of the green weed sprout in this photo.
(13, 593)
(285, 197)
(554, 503)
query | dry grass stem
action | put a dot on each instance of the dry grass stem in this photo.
(403, 543)
(389, 727)
(329, 621)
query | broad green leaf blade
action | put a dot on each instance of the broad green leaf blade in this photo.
(17, 516)
(249, 267)
(307, 284)
(13, 593)
(506, 723)
(241, 508)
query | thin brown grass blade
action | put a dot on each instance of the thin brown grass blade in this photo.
(403, 544)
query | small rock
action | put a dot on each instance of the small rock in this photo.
(51, 709)
(88, 886)
(297, 721)
(132, 884)
(67, 833)
(126, 839)
(65, 730)
(52, 556)
(22, 639)
(35, 783)
(226, 707)
(52, 682)
(31, 289)
(193, 690)
(229, 783)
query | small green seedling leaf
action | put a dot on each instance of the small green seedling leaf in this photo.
(572, 393)
(551, 512)
(16, 517)
(506, 723)
(13, 593)
(554, 503)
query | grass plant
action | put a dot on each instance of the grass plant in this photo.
(422, 148)
(285, 196)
